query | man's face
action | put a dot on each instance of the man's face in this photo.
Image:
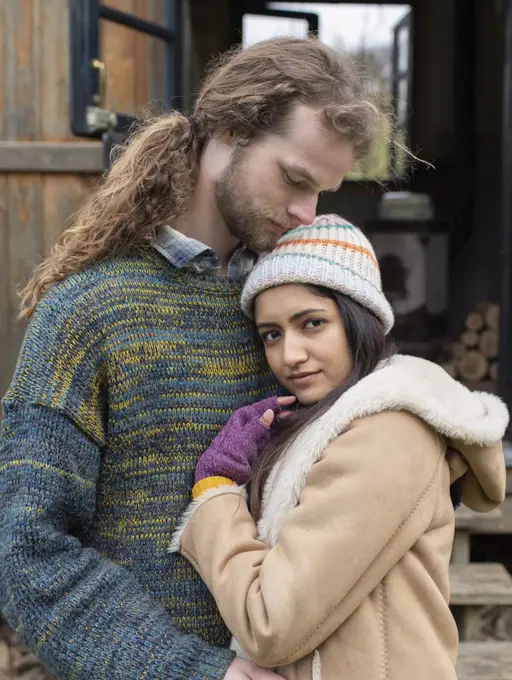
(272, 184)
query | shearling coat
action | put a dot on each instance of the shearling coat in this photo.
(346, 575)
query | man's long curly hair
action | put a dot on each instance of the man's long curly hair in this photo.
(246, 92)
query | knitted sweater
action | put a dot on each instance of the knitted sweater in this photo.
(127, 372)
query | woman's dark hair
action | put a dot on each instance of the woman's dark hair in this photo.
(369, 346)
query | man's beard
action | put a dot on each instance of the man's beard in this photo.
(243, 219)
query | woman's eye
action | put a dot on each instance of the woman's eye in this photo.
(269, 336)
(314, 323)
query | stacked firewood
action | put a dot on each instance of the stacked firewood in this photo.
(472, 358)
(16, 662)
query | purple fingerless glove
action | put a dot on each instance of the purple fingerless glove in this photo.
(235, 448)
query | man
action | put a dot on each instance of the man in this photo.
(137, 353)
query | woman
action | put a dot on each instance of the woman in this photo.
(338, 567)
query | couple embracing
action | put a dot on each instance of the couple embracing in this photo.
(213, 462)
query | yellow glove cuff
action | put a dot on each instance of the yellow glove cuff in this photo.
(210, 483)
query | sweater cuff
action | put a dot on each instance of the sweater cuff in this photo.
(210, 483)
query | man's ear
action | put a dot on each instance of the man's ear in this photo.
(228, 137)
(235, 138)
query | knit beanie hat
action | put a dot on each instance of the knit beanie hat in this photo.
(331, 253)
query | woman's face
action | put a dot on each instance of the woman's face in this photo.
(305, 341)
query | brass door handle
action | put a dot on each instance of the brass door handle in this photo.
(100, 97)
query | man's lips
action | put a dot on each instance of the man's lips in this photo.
(279, 227)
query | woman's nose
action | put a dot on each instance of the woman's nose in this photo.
(294, 352)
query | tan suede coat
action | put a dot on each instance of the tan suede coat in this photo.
(346, 575)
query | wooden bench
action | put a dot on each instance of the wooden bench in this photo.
(481, 600)
(485, 661)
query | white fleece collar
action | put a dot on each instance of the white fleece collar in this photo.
(404, 383)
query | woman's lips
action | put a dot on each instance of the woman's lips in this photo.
(303, 378)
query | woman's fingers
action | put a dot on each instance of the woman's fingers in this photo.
(267, 418)
(457, 464)
(270, 413)
(286, 401)
(283, 402)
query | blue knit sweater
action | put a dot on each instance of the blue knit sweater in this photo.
(127, 372)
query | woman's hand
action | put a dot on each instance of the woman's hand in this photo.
(241, 669)
(243, 437)
(457, 463)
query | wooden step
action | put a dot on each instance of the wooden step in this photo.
(485, 661)
(498, 521)
(468, 522)
(481, 601)
(480, 584)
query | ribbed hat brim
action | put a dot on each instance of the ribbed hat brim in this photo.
(349, 269)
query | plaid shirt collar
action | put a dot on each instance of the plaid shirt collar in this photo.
(185, 252)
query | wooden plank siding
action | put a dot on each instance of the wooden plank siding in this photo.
(52, 157)
(4, 273)
(21, 120)
(36, 202)
(134, 62)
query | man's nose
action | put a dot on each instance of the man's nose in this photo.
(302, 211)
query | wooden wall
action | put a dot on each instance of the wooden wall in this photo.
(134, 62)
(33, 106)
(37, 197)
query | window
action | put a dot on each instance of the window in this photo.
(378, 36)
(121, 61)
(256, 27)
(401, 87)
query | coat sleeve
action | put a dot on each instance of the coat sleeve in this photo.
(365, 503)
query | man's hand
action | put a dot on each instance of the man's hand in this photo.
(241, 669)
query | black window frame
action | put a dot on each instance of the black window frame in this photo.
(241, 7)
(88, 117)
(398, 76)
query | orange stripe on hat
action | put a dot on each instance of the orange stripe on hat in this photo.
(326, 242)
